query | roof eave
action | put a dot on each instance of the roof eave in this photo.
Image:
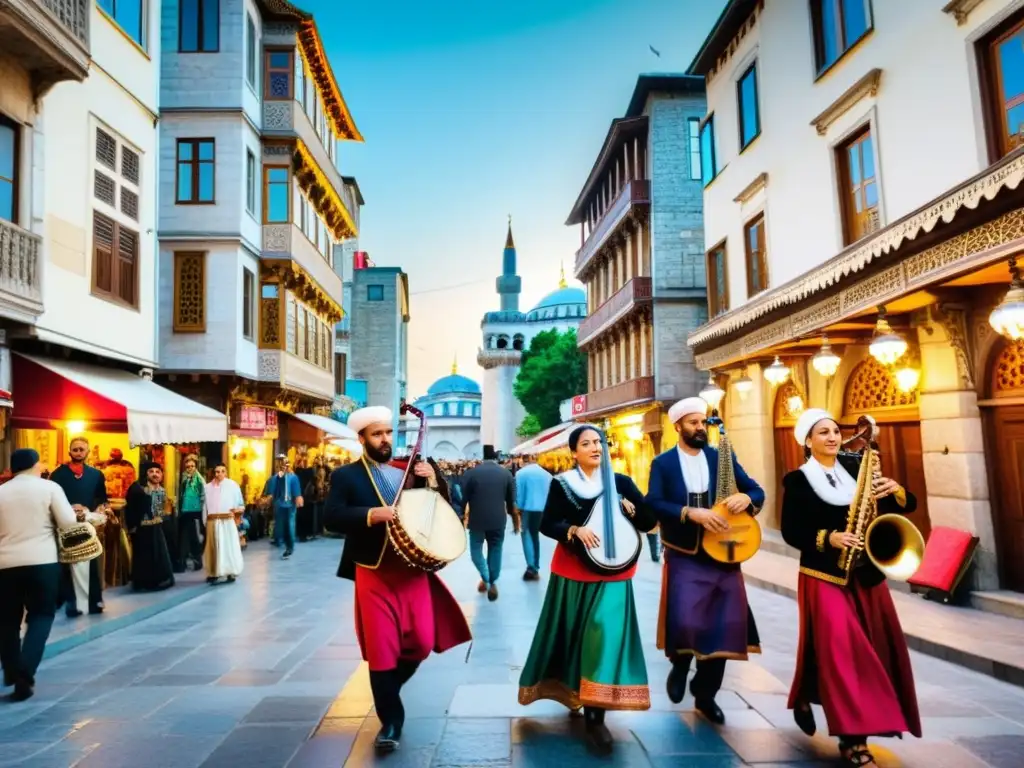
(619, 126)
(728, 24)
(667, 82)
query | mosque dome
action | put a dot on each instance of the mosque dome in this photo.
(566, 301)
(454, 383)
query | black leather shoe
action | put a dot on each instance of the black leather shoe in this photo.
(22, 692)
(804, 719)
(387, 739)
(598, 735)
(492, 592)
(676, 685)
(710, 710)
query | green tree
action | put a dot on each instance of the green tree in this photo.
(553, 369)
(529, 427)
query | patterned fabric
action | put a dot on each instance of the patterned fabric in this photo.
(158, 498)
(387, 479)
(587, 651)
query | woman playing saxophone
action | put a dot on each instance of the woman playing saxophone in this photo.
(852, 658)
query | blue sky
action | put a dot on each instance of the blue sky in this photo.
(476, 109)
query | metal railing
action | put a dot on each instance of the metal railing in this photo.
(635, 291)
(19, 263)
(635, 192)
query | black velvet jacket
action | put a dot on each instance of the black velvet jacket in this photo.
(807, 523)
(347, 511)
(562, 512)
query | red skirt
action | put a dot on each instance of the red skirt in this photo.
(403, 613)
(853, 660)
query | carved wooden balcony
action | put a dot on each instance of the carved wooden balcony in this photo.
(634, 194)
(632, 392)
(277, 367)
(633, 294)
(50, 38)
(21, 291)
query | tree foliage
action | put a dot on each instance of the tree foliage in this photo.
(529, 427)
(553, 369)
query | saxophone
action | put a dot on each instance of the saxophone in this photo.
(891, 542)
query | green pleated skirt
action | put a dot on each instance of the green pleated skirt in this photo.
(586, 651)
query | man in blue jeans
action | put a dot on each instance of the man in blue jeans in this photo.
(532, 484)
(284, 494)
(489, 491)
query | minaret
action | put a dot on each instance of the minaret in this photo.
(509, 284)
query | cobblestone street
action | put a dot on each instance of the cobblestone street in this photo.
(267, 673)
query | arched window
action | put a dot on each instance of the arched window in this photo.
(517, 342)
(503, 342)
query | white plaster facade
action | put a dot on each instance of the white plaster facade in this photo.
(923, 104)
(120, 97)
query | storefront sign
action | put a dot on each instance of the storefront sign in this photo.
(254, 421)
(579, 405)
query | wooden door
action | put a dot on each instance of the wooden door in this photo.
(899, 446)
(789, 455)
(1008, 482)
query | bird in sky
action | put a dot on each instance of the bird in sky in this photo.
(654, 50)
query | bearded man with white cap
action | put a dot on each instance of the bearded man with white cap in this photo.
(402, 613)
(704, 611)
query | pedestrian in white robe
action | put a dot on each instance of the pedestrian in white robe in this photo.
(223, 555)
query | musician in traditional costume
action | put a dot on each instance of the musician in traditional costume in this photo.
(852, 657)
(402, 612)
(587, 651)
(704, 612)
(222, 557)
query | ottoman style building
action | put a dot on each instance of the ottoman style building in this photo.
(855, 257)
(452, 408)
(641, 257)
(506, 333)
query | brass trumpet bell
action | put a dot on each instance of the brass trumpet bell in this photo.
(895, 546)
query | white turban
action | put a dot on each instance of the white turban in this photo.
(364, 417)
(806, 423)
(687, 406)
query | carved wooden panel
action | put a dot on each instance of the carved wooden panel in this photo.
(189, 292)
(1008, 370)
(785, 399)
(872, 387)
(270, 322)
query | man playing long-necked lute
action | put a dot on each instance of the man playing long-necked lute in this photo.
(402, 613)
(704, 611)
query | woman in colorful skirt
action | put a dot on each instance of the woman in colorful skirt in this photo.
(587, 650)
(853, 657)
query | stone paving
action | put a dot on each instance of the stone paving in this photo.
(266, 673)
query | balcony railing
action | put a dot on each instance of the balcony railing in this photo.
(289, 372)
(50, 38)
(637, 291)
(492, 358)
(632, 392)
(635, 192)
(21, 292)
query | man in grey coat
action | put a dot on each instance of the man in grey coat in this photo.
(489, 493)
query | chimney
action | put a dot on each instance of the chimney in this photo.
(360, 260)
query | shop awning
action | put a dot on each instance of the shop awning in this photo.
(106, 400)
(545, 441)
(352, 446)
(324, 424)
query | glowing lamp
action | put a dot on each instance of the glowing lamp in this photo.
(888, 346)
(907, 379)
(743, 385)
(75, 427)
(826, 362)
(795, 404)
(776, 373)
(1008, 318)
(712, 394)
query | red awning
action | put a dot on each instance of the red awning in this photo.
(51, 392)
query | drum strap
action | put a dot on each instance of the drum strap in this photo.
(383, 485)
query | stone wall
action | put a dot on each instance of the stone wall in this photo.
(375, 339)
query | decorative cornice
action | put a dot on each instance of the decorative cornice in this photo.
(298, 281)
(1008, 174)
(342, 226)
(866, 86)
(752, 189)
(961, 9)
(958, 255)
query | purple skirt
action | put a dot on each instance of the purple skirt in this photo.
(704, 610)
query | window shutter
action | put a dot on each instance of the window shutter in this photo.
(106, 149)
(130, 165)
(104, 188)
(103, 252)
(127, 257)
(129, 204)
